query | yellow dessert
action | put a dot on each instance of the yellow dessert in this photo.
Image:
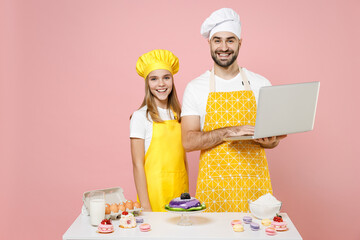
(238, 228)
(266, 222)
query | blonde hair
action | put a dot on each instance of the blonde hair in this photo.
(173, 103)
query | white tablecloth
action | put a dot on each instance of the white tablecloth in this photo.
(164, 226)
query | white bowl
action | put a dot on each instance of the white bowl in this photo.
(262, 211)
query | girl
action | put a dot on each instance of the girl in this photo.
(158, 157)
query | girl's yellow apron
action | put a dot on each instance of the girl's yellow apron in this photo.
(233, 172)
(165, 167)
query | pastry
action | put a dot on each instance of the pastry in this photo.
(266, 222)
(145, 227)
(184, 201)
(270, 231)
(233, 222)
(254, 226)
(105, 226)
(279, 226)
(238, 228)
(247, 219)
(127, 220)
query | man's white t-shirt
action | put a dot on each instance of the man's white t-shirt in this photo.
(197, 91)
(142, 127)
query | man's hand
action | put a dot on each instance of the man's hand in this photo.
(270, 142)
(244, 130)
(194, 139)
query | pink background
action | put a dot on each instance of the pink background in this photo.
(68, 86)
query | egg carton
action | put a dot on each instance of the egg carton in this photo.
(113, 216)
(112, 195)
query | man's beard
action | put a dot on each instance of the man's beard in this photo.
(224, 64)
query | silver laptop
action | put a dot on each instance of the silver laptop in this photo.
(284, 109)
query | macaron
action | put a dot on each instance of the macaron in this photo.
(233, 222)
(247, 219)
(270, 231)
(139, 219)
(145, 227)
(279, 226)
(266, 222)
(254, 226)
(238, 228)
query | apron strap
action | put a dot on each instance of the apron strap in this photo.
(245, 81)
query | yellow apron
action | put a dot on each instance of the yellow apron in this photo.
(165, 168)
(234, 172)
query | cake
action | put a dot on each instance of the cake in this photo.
(184, 201)
(279, 226)
(105, 226)
(127, 220)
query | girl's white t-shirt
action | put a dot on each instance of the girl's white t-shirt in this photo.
(142, 127)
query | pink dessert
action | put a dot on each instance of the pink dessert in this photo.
(145, 227)
(105, 226)
(233, 222)
(279, 226)
(270, 231)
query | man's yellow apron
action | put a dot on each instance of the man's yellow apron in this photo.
(231, 173)
(165, 168)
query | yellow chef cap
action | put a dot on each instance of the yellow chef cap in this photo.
(157, 59)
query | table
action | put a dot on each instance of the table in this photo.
(164, 226)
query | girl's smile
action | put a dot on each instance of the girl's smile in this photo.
(160, 84)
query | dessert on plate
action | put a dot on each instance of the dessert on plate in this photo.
(279, 226)
(105, 226)
(185, 203)
(127, 220)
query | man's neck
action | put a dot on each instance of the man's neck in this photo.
(227, 72)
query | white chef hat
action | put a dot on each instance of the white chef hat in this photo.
(222, 20)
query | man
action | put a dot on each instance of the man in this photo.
(222, 103)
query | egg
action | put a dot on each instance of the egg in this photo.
(137, 205)
(122, 207)
(114, 208)
(129, 205)
(107, 209)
